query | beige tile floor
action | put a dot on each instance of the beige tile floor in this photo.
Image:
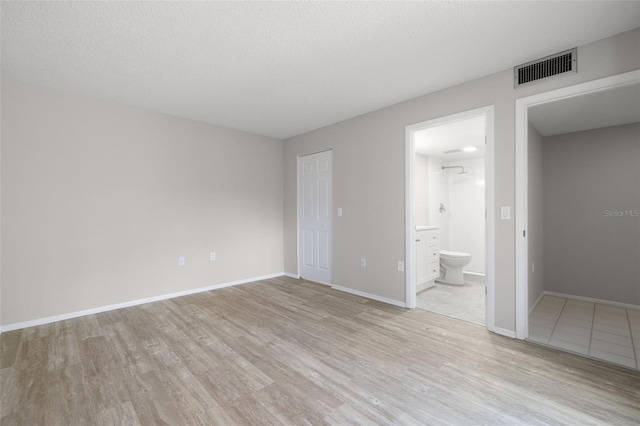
(599, 331)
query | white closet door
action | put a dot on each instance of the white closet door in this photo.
(314, 217)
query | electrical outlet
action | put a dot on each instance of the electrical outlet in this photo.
(212, 256)
(400, 266)
(339, 211)
(363, 262)
(181, 261)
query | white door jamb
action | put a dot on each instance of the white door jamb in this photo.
(522, 106)
(410, 269)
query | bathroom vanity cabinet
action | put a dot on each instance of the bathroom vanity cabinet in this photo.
(427, 257)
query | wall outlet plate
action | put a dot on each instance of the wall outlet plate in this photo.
(212, 256)
(181, 261)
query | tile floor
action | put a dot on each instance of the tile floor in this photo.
(465, 302)
(599, 331)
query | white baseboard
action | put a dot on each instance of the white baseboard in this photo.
(425, 285)
(56, 318)
(592, 300)
(370, 296)
(505, 332)
(316, 282)
(296, 276)
(532, 307)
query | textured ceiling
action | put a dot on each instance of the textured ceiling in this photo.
(604, 108)
(285, 68)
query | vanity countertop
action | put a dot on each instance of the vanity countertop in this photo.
(425, 228)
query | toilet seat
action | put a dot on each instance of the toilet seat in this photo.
(448, 253)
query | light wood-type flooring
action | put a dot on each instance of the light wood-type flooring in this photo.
(285, 351)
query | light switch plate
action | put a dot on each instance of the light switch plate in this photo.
(505, 212)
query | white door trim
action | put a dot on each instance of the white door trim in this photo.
(298, 225)
(410, 270)
(522, 106)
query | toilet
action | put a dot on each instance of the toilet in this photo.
(452, 262)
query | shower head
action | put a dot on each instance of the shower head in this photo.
(462, 172)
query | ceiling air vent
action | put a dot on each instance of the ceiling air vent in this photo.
(557, 65)
(451, 151)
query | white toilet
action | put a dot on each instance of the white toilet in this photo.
(452, 262)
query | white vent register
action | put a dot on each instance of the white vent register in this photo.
(543, 69)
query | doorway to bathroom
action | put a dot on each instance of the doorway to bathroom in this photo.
(578, 219)
(449, 216)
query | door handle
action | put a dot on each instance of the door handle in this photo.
(417, 241)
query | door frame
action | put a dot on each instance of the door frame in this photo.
(522, 179)
(410, 269)
(299, 260)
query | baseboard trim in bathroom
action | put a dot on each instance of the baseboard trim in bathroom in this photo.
(533, 307)
(591, 299)
(70, 315)
(425, 286)
(294, 276)
(370, 296)
(505, 332)
(474, 277)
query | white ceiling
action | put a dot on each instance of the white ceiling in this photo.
(285, 68)
(434, 141)
(604, 108)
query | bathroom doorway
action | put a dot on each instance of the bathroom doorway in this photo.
(449, 216)
(578, 219)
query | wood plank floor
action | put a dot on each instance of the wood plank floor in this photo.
(285, 351)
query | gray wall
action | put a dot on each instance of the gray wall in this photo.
(100, 199)
(369, 173)
(587, 252)
(535, 274)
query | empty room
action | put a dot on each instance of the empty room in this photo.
(313, 212)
